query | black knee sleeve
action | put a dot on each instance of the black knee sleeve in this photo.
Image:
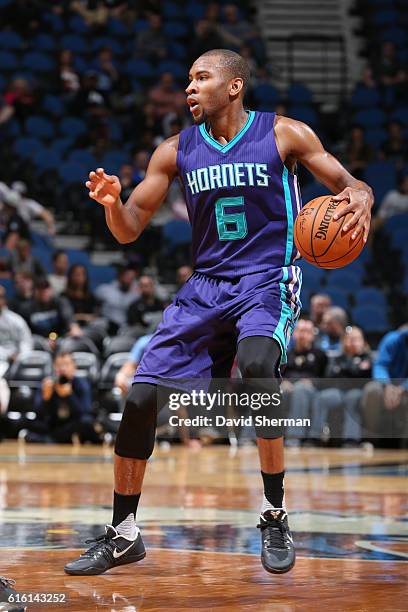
(258, 361)
(135, 438)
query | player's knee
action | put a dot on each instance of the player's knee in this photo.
(253, 366)
(135, 438)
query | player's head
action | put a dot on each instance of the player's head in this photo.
(217, 78)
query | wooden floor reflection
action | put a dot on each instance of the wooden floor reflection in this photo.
(198, 515)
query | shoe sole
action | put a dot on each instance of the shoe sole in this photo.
(92, 572)
(271, 570)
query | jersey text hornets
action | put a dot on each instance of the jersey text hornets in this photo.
(227, 175)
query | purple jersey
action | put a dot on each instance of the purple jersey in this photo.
(241, 199)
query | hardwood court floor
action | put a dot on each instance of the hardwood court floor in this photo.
(348, 511)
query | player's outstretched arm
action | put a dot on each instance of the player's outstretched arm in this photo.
(127, 221)
(300, 143)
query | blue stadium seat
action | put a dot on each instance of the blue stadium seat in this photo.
(372, 117)
(10, 41)
(348, 280)
(400, 114)
(44, 255)
(113, 160)
(8, 61)
(375, 137)
(39, 127)
(72, 127)
(80, 64)
(399, 238)
(381, 176)
(172, 11)
(370, 318)
(140, 25)
(307, 114)
(266, 94)
(338, 297)
(75, 256)
(43, 42)
(53, 105)
(394, 223)
(369, 296)
(176, 232)
(364, 97)
(55, 22)
(115, 129)
(25, 146)
(386, 17)
(3, 83)
(175, 68)
(194, 11)
(313, 276)
(8, 284)
(83, 157)
(140, 69)
(394, 35)
(313, 190)
(177, 51)
(106, 41)
(117, 28)
(175, 29)
(38, 62)
(72, 172)
(100, 275)
(46, 159)
(78, 25)
(299, 94)
(61, 145)
(75, 43)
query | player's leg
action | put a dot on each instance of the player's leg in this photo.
(122, 542)
(258, 360)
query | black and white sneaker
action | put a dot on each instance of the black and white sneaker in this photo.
(109, 550)
(278, 551)
(8, 596)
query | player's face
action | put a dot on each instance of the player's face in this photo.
(208, 91)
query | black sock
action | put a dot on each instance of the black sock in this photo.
(273, 488)
(123, 505)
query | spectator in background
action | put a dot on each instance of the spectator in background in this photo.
(206, 37)
(24, 289)
(47, 314)
(358, 152)
(151, 44)
(67, 73)
(395, 147)
(20, 97)
(106, 70)
(125, 374)
(88, 98)
(319, 303)
(235, 30)
(146, 308)
(116, 297)
(15, 228)
(127, 181)
(30, 209)
(332, 329)
(95, 13)
(183, 273)
(305, 364)
(22, 260)
(64, 408)
(82, 301)
(140, 162)
(15, 336)
(385, 399)
(387, 68)
(58, 277)
(166, 96)
(343, 399)
(395, 202)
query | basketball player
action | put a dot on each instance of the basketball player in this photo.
(237, 169)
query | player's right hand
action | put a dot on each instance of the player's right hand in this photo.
(103, 188)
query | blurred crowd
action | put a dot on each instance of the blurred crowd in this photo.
(117, 71)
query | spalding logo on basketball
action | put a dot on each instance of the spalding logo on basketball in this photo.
(320, 239)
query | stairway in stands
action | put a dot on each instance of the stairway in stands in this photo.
(312, 42)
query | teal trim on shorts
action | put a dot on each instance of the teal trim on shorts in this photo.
(285, 316)
(289, 214)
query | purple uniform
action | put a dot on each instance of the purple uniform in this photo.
(242, 202)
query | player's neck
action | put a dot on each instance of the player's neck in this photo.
(226, 127)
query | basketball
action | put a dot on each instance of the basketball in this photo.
(320, 239)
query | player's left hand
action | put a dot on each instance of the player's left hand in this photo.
(359, 203)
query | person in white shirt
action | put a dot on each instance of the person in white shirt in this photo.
(29, 209)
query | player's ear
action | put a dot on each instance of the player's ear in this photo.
(236, 86)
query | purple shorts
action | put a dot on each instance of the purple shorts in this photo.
(200, 330)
